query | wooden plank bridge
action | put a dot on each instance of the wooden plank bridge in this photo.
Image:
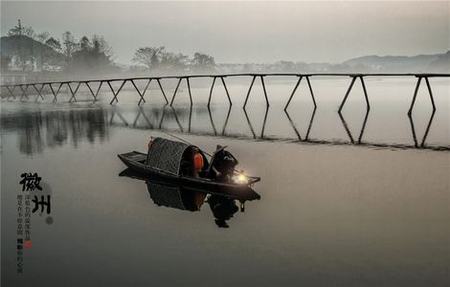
(21, 91)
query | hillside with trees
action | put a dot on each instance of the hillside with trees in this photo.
(27, 54)
(25, 50)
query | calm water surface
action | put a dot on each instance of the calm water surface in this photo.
(354, 200)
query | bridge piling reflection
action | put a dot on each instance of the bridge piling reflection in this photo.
(180, 120)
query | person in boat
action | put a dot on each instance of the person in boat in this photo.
(222, 165)
(193, 163)
(198, 162)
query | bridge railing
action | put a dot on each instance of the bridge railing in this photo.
(73, 86)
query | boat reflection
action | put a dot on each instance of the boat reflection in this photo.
(222, 206)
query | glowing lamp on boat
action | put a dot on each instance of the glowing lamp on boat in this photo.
(240, 178)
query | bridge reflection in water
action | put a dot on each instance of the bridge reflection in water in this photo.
(41, 129)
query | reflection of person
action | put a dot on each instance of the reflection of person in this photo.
(222, 208)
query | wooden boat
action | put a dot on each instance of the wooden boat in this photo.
(163, 163)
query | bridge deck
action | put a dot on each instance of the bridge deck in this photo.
(73, 86)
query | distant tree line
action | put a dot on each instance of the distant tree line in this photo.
(31, 51)
(25, 49)
(157, 58)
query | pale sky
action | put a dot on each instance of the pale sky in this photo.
(247, 31)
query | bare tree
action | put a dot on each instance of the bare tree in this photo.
(42, 37)
(172, 61)
(149, 56)
(203, 60)
(20, 30)
(16, 30)
(54, 44)
(69, 45)
(85, 43)
(100, 45)
(91, 56)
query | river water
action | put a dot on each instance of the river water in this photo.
(358, 199)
